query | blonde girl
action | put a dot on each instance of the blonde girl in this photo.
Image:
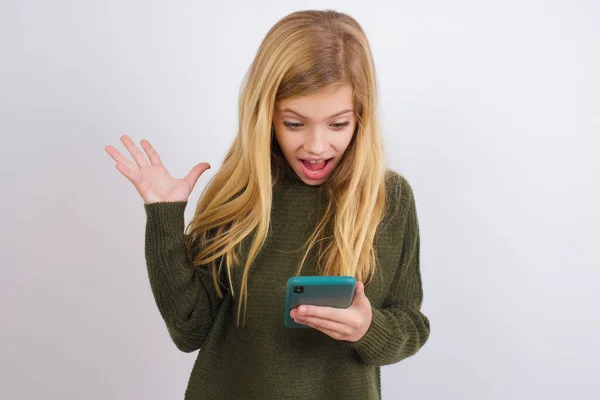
(303, 190)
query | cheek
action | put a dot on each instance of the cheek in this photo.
(281, 138)
(342, 141)
(287, 141)
(285, 145)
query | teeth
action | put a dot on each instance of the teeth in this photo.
(316, 161)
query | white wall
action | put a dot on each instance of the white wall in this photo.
(490, 109)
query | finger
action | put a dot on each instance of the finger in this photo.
(324, 324)
(129, 174)
(195, 173)
(124, 165)
(333, 334)
(152, 154)
(114, 153)
(139, 157)
(323, 312)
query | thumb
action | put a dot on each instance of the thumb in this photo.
(359, 292)
(195, 173)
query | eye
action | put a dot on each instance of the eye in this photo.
(298, 125)
(292, 125)
(341, 125)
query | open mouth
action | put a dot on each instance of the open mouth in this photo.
(316, 169)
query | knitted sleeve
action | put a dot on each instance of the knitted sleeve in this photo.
(185, 296)
(398, 328)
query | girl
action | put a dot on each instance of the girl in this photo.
(303, 190)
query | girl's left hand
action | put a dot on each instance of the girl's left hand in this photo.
(348, 324)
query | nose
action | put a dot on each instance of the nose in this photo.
(316, 142)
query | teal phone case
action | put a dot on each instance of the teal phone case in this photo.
(331, 291)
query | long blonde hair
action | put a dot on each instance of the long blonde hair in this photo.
(301, 54)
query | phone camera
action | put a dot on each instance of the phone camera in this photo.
(298, 289)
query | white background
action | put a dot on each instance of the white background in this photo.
(489, 108)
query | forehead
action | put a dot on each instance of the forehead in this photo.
(319, 105)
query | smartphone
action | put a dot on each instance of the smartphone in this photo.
(331, 291)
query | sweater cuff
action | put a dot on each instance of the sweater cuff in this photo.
(166, 218)
(375, 343)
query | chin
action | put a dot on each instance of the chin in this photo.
(313, 182)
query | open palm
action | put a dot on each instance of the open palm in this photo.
(150, 177)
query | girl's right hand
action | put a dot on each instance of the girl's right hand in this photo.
(151, 179)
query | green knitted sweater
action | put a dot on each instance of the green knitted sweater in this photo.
(264, 359)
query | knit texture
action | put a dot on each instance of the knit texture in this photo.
(264, 359)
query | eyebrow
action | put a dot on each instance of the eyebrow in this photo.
(302, 116)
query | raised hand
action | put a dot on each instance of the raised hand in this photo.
(150, 178)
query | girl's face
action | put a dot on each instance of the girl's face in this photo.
(314, 131)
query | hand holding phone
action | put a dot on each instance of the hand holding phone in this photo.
(330, 291)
